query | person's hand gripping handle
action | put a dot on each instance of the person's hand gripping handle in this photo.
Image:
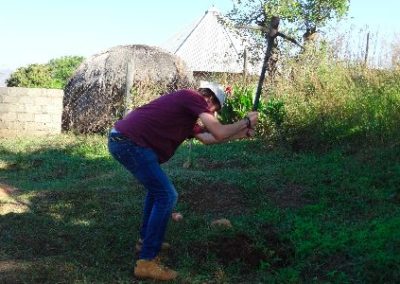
(252, 120)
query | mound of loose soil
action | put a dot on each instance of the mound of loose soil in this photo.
(277, 253)
(205, 163)
(216, 199)
(292, 196)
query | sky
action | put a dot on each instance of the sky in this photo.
(35, 31)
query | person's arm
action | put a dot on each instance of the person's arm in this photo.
(220, 133)
(208, 138)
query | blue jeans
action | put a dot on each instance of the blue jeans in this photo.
(161, 195)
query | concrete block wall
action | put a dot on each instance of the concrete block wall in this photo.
(29, 111)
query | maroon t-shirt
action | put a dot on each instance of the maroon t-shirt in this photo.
(164, 123)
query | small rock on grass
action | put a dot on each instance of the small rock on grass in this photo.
(177, 217)
(221, 223)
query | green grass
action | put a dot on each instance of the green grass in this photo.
(317, 101)
(331, 217)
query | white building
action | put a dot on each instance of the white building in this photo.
(209, 45)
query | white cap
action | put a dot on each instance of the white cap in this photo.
(216, 89)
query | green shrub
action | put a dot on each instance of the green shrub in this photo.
(33, 76)
(237, 104)
(53, 75)
(241, 101)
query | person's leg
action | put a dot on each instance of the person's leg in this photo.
(161, 196)
(164, 199)
(147, 208)
(144, 166)
(128, 155)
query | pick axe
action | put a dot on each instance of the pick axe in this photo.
(271, 34)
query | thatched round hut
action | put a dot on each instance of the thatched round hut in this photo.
(107, 84)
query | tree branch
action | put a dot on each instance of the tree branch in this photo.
(290, 39)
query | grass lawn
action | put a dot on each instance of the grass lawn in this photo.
(70, 214)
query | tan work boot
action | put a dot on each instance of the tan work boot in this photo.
(154, 270)
(164, 246)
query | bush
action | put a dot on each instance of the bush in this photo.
(238, 104)
(53, 75)
(33, 76)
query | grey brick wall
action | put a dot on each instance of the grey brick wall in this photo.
(28, 111)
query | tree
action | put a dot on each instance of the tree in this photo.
(315, 14)
(301, 19)
(63, 68)
(33, 76)
(265, 16)
(305, 15)
(54, 74)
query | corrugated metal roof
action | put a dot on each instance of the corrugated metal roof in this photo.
(208, 45)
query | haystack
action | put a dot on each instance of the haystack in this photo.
(97, 93)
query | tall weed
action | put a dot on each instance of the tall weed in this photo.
(317, 101)
(240, 102)
(327, 102)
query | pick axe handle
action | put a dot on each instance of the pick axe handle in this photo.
(271, 35)
(270, 42)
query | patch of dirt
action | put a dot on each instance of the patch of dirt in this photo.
(8, 265)
(10, 270)
(36, 271)
(217, 199)
(241, 248)
(213, 164)
(9, 202)
(322, 265)
(7, 190)
(11, 207)
(292, 196)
